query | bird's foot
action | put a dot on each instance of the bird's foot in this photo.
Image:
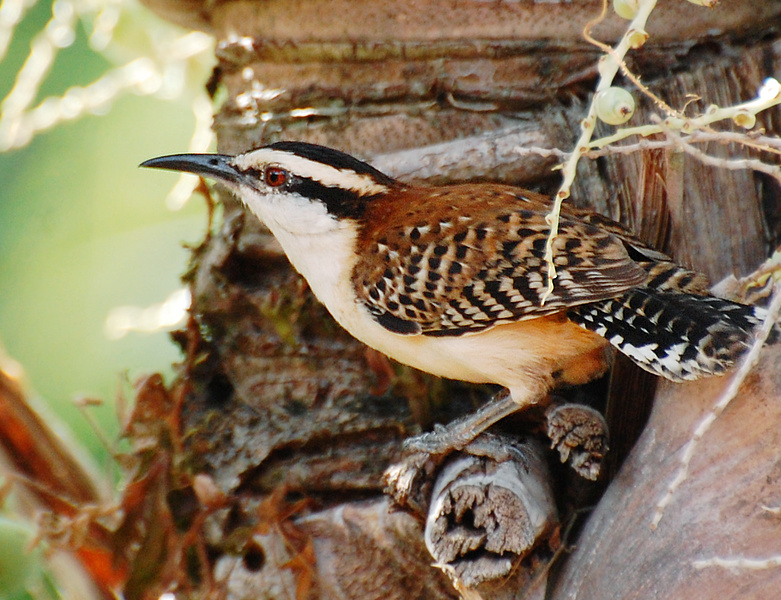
(409, 481)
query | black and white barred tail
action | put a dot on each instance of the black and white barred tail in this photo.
(673, 334)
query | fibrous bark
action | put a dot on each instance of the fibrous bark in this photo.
(281, 399)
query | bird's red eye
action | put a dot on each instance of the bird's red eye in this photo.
(275, 176)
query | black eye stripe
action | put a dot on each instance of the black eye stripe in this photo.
(339, 201)
(269, 175)
(252, 172)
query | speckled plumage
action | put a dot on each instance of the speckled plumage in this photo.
(450, 279)
(464, 258)
(455, 262)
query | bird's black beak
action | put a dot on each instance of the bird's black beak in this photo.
(213, 166)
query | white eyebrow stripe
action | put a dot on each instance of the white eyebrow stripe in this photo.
(327, 175)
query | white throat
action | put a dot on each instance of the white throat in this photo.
(318, 245)
(290, 212)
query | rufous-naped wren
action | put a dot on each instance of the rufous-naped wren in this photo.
(450, 279)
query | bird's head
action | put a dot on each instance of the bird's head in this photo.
(301, 187)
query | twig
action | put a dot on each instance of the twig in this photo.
(681, 143)
(769, 95)
(746, 564)
(733, 164)
(608, 69)
(149, 75)
(11, 13)
(763, 143)
(544, 152)
(760, 142)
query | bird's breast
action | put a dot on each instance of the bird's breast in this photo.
(517, 355)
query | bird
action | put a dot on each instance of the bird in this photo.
(452, 279)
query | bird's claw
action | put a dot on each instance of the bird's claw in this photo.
(408, 482)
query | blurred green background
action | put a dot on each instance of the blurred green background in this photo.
(84, 231)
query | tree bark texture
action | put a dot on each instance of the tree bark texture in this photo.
(291, 417)
(720, 511)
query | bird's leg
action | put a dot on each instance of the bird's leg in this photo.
(458, 434)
